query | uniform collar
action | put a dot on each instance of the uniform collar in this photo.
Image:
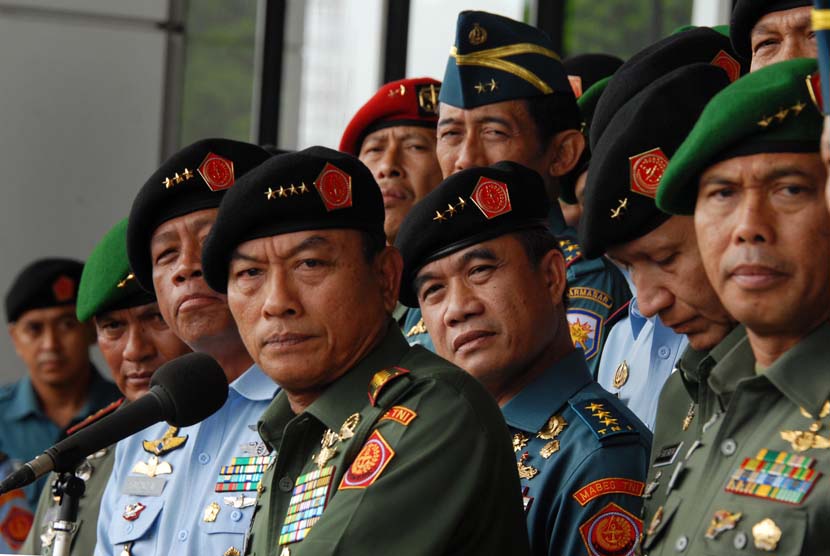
(255, 385)
(530, 409)
(696, 364)
(24, 401)
(638, 321)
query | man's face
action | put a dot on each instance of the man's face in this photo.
(309, 305)
(193, 311)
(135, 342)
(825, 156)
(489, 311)
(573, 213)
(402, 159)
(782, 35)
(488, 134)
(764, 234)
(667, 270)
(53, 345)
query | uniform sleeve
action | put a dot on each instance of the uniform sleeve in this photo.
(598, 510)
(448, 486)
(103, 547)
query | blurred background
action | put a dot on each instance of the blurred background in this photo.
(96, 93)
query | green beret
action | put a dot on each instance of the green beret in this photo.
(496, 58)
(313, 189)
(107, 283)
(44, 283)
(632, 154)
(193, 179)
(469, 207)
(767, 111)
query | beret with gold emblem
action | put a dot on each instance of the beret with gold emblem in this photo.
(767, 111)
(496, 58)
(313, 189)
(51, 282)
(107, 283)
(406, 102)
(632, 154)
(697, 45)
(193, 179)
(469, 207)
(746, 14)
(821, 26)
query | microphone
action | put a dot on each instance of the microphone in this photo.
(182, 392)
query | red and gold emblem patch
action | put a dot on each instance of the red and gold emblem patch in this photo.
(63, 288)
(16, 526)
(576, 85)
(400, 414)
(814, 88)
(728, 64)
(491, 197)
(611, 532)
(610, 485)
(369, 463)
(335, 187)
(646, 171)
(217, 172)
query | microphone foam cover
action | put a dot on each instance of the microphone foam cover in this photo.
(191, 388)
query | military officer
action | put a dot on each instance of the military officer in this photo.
(769, 31)
(756, 477)
(490, 282)
(506, 96)
(62, 386)
(189, 490)
(135, 341)
(300, 249)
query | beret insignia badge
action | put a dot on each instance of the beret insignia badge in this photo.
(335, 187)
(63, 288)
(728, 64)
(427, 99)
(477, 35)
(491, 197)
(646, 171)
(814, 88)
(217, 172)
(576, 85)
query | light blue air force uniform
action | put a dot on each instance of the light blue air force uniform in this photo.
(650, 351)
(181, 512)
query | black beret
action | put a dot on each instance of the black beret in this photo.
(637, 144)
(44, 283)
(746, 14)
(698, 45)
(472, 206)
(313, 189)
(193, 179)
(586, 69)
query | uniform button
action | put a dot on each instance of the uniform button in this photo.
(739, 541)
(236, 515)
(728, 447)
(663, 352)
(681, 543)
(129, 528)
(204, 458)
(182, 536)
(286, 484)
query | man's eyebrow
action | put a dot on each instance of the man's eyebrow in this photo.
(420, 280)
(307, 243)
(492, 120)
(448, 121)
(483, 253)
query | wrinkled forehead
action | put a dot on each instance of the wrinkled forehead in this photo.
(515, 111)
(784, 21)
(192, 225)
(291, 244)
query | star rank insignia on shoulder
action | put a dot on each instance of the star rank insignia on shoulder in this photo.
(571, 250)
(602, 418)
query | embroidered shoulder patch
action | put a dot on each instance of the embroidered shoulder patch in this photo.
(586, 330)
(16, 526)
(602, 418)
(609, 485)
(381, 379)
(400, 414)
(612, 530)
(591, 294)
(369, 463)
(570, 249)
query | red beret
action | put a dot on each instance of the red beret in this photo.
(404, 102)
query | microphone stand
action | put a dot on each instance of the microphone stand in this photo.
(69, 489)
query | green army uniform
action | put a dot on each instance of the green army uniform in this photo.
(105, 285)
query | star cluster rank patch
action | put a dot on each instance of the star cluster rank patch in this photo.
(611, 531)
(369, 463)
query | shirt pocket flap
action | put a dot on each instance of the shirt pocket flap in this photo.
(123, 530)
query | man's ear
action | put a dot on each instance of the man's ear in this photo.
(388, 267)
(553, 267)
(564, 151)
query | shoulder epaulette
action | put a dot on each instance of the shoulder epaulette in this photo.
(602, 418)
(381, 379)
(571, 250)
(103, 412)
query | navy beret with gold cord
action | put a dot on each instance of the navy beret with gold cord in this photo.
(697, 45)
(51, 282)
(496, 58)
(632, 154)
(469, 207)
(195, 178)
(406, 102)
(313, 189)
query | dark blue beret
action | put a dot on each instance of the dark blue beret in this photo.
(44, 283)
